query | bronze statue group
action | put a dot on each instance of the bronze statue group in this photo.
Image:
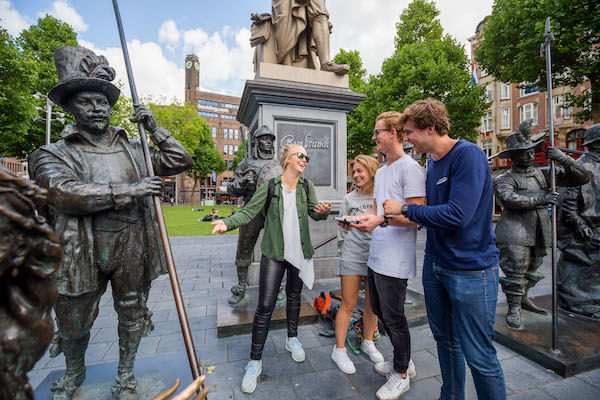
(98, 195)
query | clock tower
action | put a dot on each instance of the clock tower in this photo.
(192, 77)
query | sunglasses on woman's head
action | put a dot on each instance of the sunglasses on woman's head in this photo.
(302, 156)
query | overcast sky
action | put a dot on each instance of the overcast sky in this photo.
(160, 33)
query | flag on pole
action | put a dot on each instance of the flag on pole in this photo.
(474, 79)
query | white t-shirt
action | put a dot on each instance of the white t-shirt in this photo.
(292, 244)
(393, 248)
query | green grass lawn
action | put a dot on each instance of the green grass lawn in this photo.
(182, 221)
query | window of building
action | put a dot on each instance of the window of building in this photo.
(208, 114)
(225, 133)
(529, 111)
(504, 91)
(237, 134)
(246, 135)
(225, 149)
(575, 138)
(486, 122)
(235, 148)
(213, 129)
(225, 116)
(208, 102)
(487, 147)
(230, 149)
(229, 105)
(560, 107)
(489, 92)
(505, 118)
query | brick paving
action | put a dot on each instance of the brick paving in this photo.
(205, 268)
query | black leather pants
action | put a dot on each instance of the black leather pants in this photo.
(271, 274)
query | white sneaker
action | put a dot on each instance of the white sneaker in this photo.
(293, 346)
(395, 387)
(253, 371)
(368, 347)
(341, 359)
(386, 368)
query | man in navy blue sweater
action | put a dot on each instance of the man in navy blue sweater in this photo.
(460, 273)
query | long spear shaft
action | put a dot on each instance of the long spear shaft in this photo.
(183, 320)
(546, 46)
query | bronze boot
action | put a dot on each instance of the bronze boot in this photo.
(529, 305)
(130, 334)
(513, 317)
(74, 350)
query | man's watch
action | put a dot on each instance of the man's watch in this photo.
(385, 222)
(404, 210)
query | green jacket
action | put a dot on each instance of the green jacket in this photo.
(272, 242)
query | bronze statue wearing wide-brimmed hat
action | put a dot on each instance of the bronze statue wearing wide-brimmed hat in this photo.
(100, 194)
(524, 229)
(579, 237)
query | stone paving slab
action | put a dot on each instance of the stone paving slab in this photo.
(315, 378)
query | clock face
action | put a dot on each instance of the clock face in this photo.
(188, 64)
(197, 66)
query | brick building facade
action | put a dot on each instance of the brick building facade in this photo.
(219, 111)
(510, 105)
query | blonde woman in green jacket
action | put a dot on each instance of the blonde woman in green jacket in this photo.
(286, 246)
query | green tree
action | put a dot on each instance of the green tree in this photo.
(512, 35)
(206, 159)
(358, 141)
(194, 134)
(239, 156)
(426, 63)
(37, 44)
(17, 108)
(121, 113)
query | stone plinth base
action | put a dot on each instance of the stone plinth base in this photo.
(237, 320)
(578, 339)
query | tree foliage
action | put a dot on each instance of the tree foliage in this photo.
(194, 134)
(17, 108)
(29, 59)
(358, 142)
(425, 63)
(512, 35)
(239, 156)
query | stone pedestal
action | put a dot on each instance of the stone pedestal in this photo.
(314, 115)
(578, 339)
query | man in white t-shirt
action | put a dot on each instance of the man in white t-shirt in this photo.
(392, 256)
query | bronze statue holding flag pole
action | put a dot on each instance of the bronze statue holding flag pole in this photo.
(101, 188)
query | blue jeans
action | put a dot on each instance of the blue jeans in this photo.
(461, 306)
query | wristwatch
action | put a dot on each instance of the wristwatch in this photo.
(385, 222)
(404, 209)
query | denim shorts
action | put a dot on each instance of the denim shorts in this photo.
(352, 268)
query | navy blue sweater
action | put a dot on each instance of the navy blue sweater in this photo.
(458, 214)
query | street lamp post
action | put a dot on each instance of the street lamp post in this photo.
(49, 114)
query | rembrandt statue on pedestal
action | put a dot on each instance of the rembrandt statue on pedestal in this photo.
(99, 193)
(524, 229)
(295, 34)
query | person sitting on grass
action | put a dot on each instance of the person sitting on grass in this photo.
(286, 246)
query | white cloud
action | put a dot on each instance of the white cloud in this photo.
(11, 20)
(223, 67)
(63, 11)
(370, 26)
(169, 34)
(155, 76)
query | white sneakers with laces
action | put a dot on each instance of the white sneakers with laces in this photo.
(293, 346)
(395, 387)
(368, 347)
(386, 368)
(341, 359)
(253, 371)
